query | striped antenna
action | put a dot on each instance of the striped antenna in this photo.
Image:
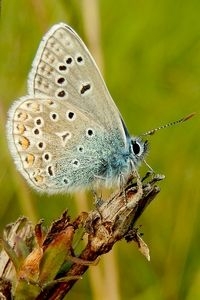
(152, 131)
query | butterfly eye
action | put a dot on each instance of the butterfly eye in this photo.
(137, 148)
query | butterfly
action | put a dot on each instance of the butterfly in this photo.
(67, 133)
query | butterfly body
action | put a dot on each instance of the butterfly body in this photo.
(67, 133)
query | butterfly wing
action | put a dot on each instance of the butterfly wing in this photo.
(64, 69)
(67, 132)
(58, 148)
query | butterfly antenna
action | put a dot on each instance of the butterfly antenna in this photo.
(152, 131)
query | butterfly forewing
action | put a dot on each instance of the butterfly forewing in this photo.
(64, 69)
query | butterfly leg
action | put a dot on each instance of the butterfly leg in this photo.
(139, 192)
(98, 201)
(151, 170)
(122, 183)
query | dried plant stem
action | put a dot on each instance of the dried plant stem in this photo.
(50, 268)
(111, 222)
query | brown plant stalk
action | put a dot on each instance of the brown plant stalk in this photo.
(51, 268)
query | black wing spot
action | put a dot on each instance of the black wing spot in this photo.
(62, 68)
(41, 145)
(71, 115)
(60, 80)
(38, 121)
(50, 170)
(85, 88)
(36, 131)
(76, 162)
(61, 94)
(81, 149)
(53, 116)
(79, 59)
(89, 132)
(66, 181)
(46, 156)
(69, 60)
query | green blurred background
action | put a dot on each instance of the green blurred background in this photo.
(149, 52)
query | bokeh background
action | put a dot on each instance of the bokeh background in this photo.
(149, 53)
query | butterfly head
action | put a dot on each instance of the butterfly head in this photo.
(138, 149)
